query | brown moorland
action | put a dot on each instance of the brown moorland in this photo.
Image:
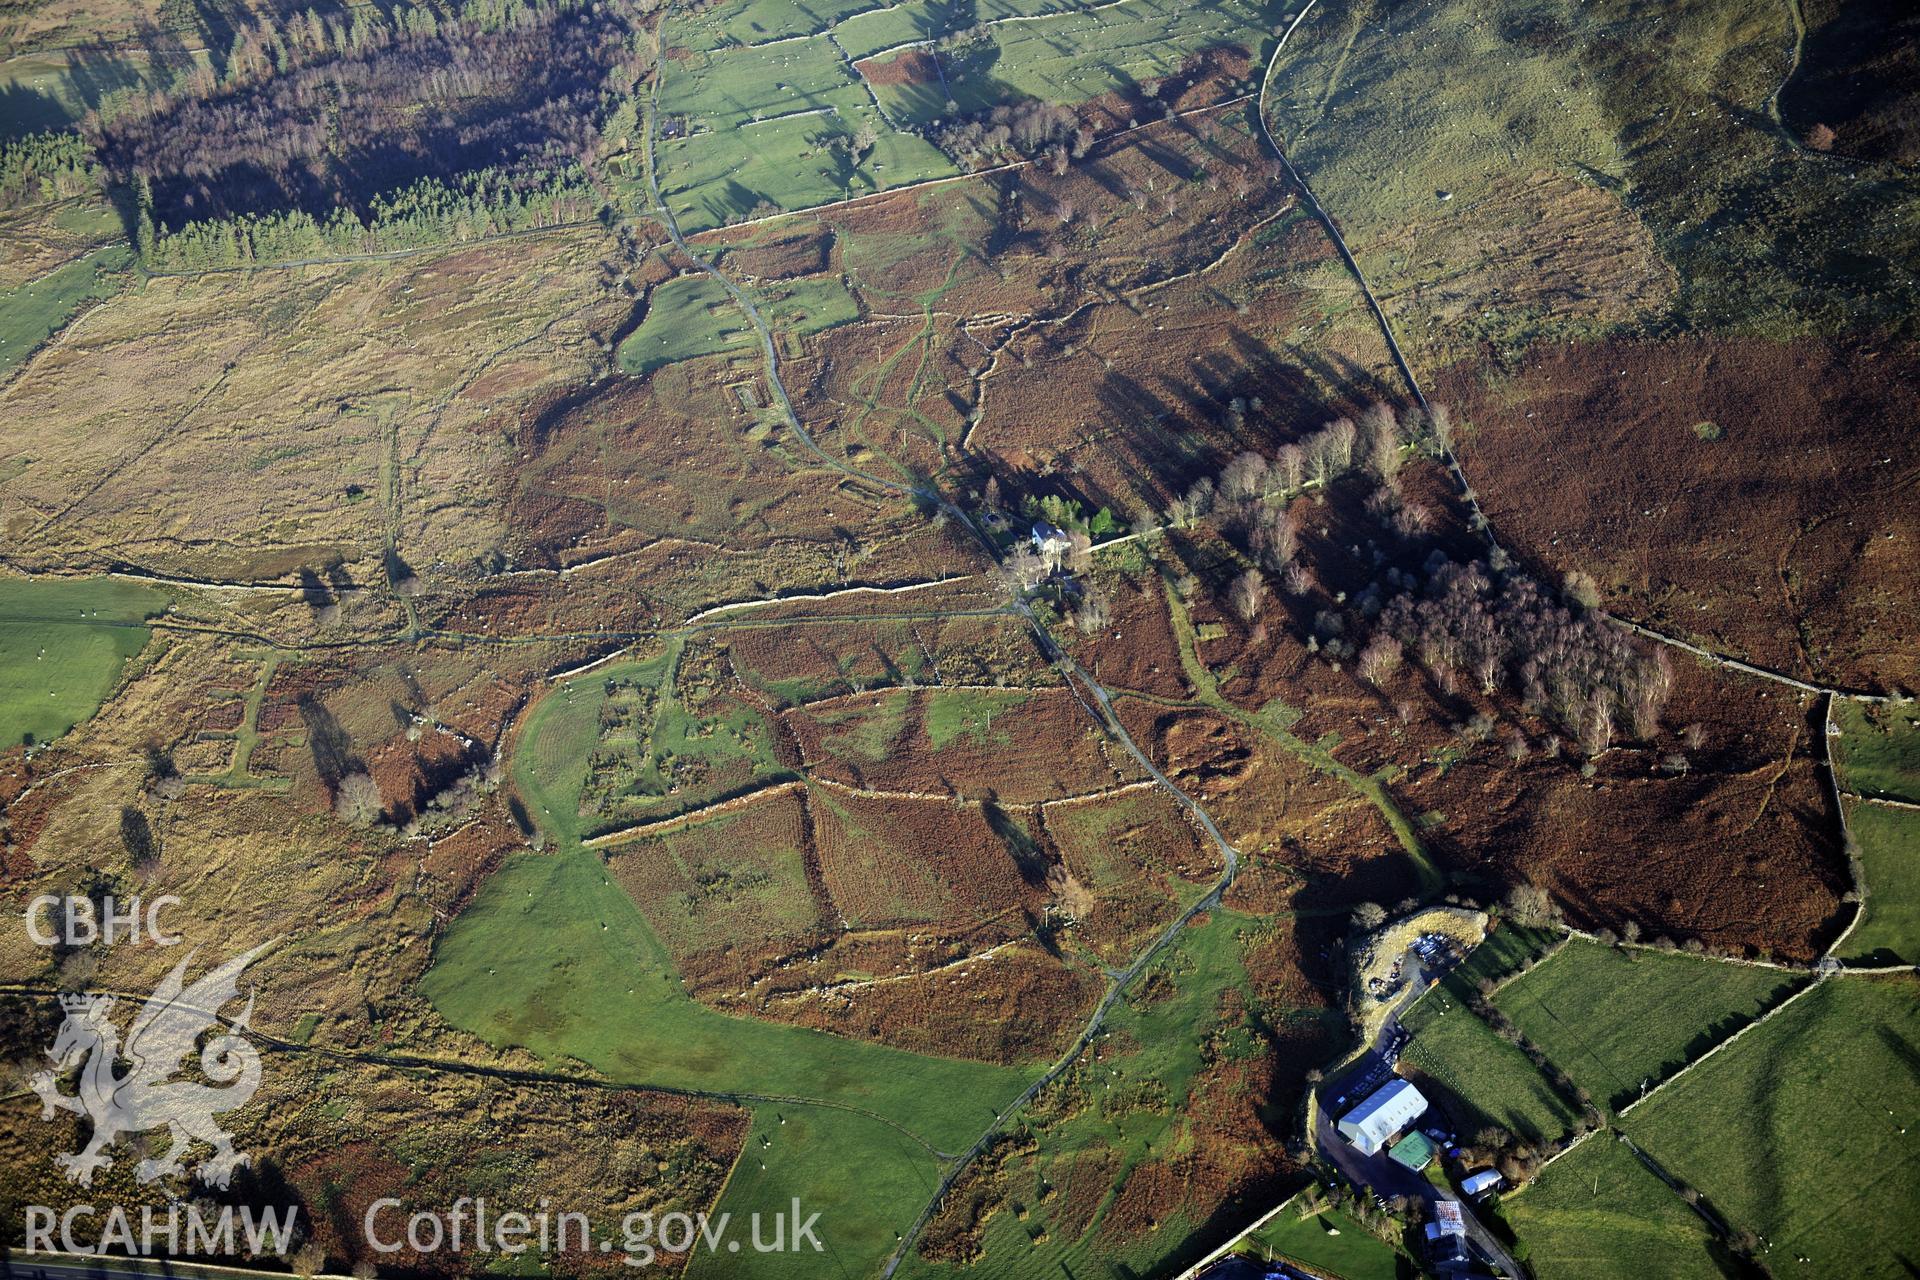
(1709, 487)
(933, 863)
(1016, 747)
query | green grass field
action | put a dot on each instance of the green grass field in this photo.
(1599, 1213)
(688, 316)
(63, 646)
(969, 712)
(733, 88)
(866, 1180)
(34, 312)
(1053, 52)
(1040, 1244)
(619, 746)
(771, 104)
(550, 762)
(1613, 1018)
(1328, 1241)
(792, 163)
(885, 26)
(864, 732)
(1108, 1117)
(1500, 953)
(758, 21)
(55, 90)
(1491, 1082)
(1889, 842)
(692, 315)
(556, 958)
(1878, 751)
(1804, 1131)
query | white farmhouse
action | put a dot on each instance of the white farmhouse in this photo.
(1050, 543)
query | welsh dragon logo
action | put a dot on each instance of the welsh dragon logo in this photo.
(146, 1097)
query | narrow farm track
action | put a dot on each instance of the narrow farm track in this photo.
(1090, 692)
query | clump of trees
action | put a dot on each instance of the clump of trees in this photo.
(1031, 129)
(46, 166)
(358, 803)
(1246, 498)
(322, 119)
(471, 206)
(1531, 907)
(1505, 631)
(1484, 621)
(1377, 444)
(455, 803)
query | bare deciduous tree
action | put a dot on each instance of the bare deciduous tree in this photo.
(1245, 477)
(1596, 726)
(1379, 659)
(1091, 614)
(1246, 595)
(1272, 539)
(1530, 907)
(1291, 463)
(1079, 552)
(357, 802)
(1340, 435)
(1380, 443)
(1024, 568)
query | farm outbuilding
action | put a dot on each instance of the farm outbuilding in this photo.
(1384, 1112)
(1483, 1183)
(1414, 1151)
